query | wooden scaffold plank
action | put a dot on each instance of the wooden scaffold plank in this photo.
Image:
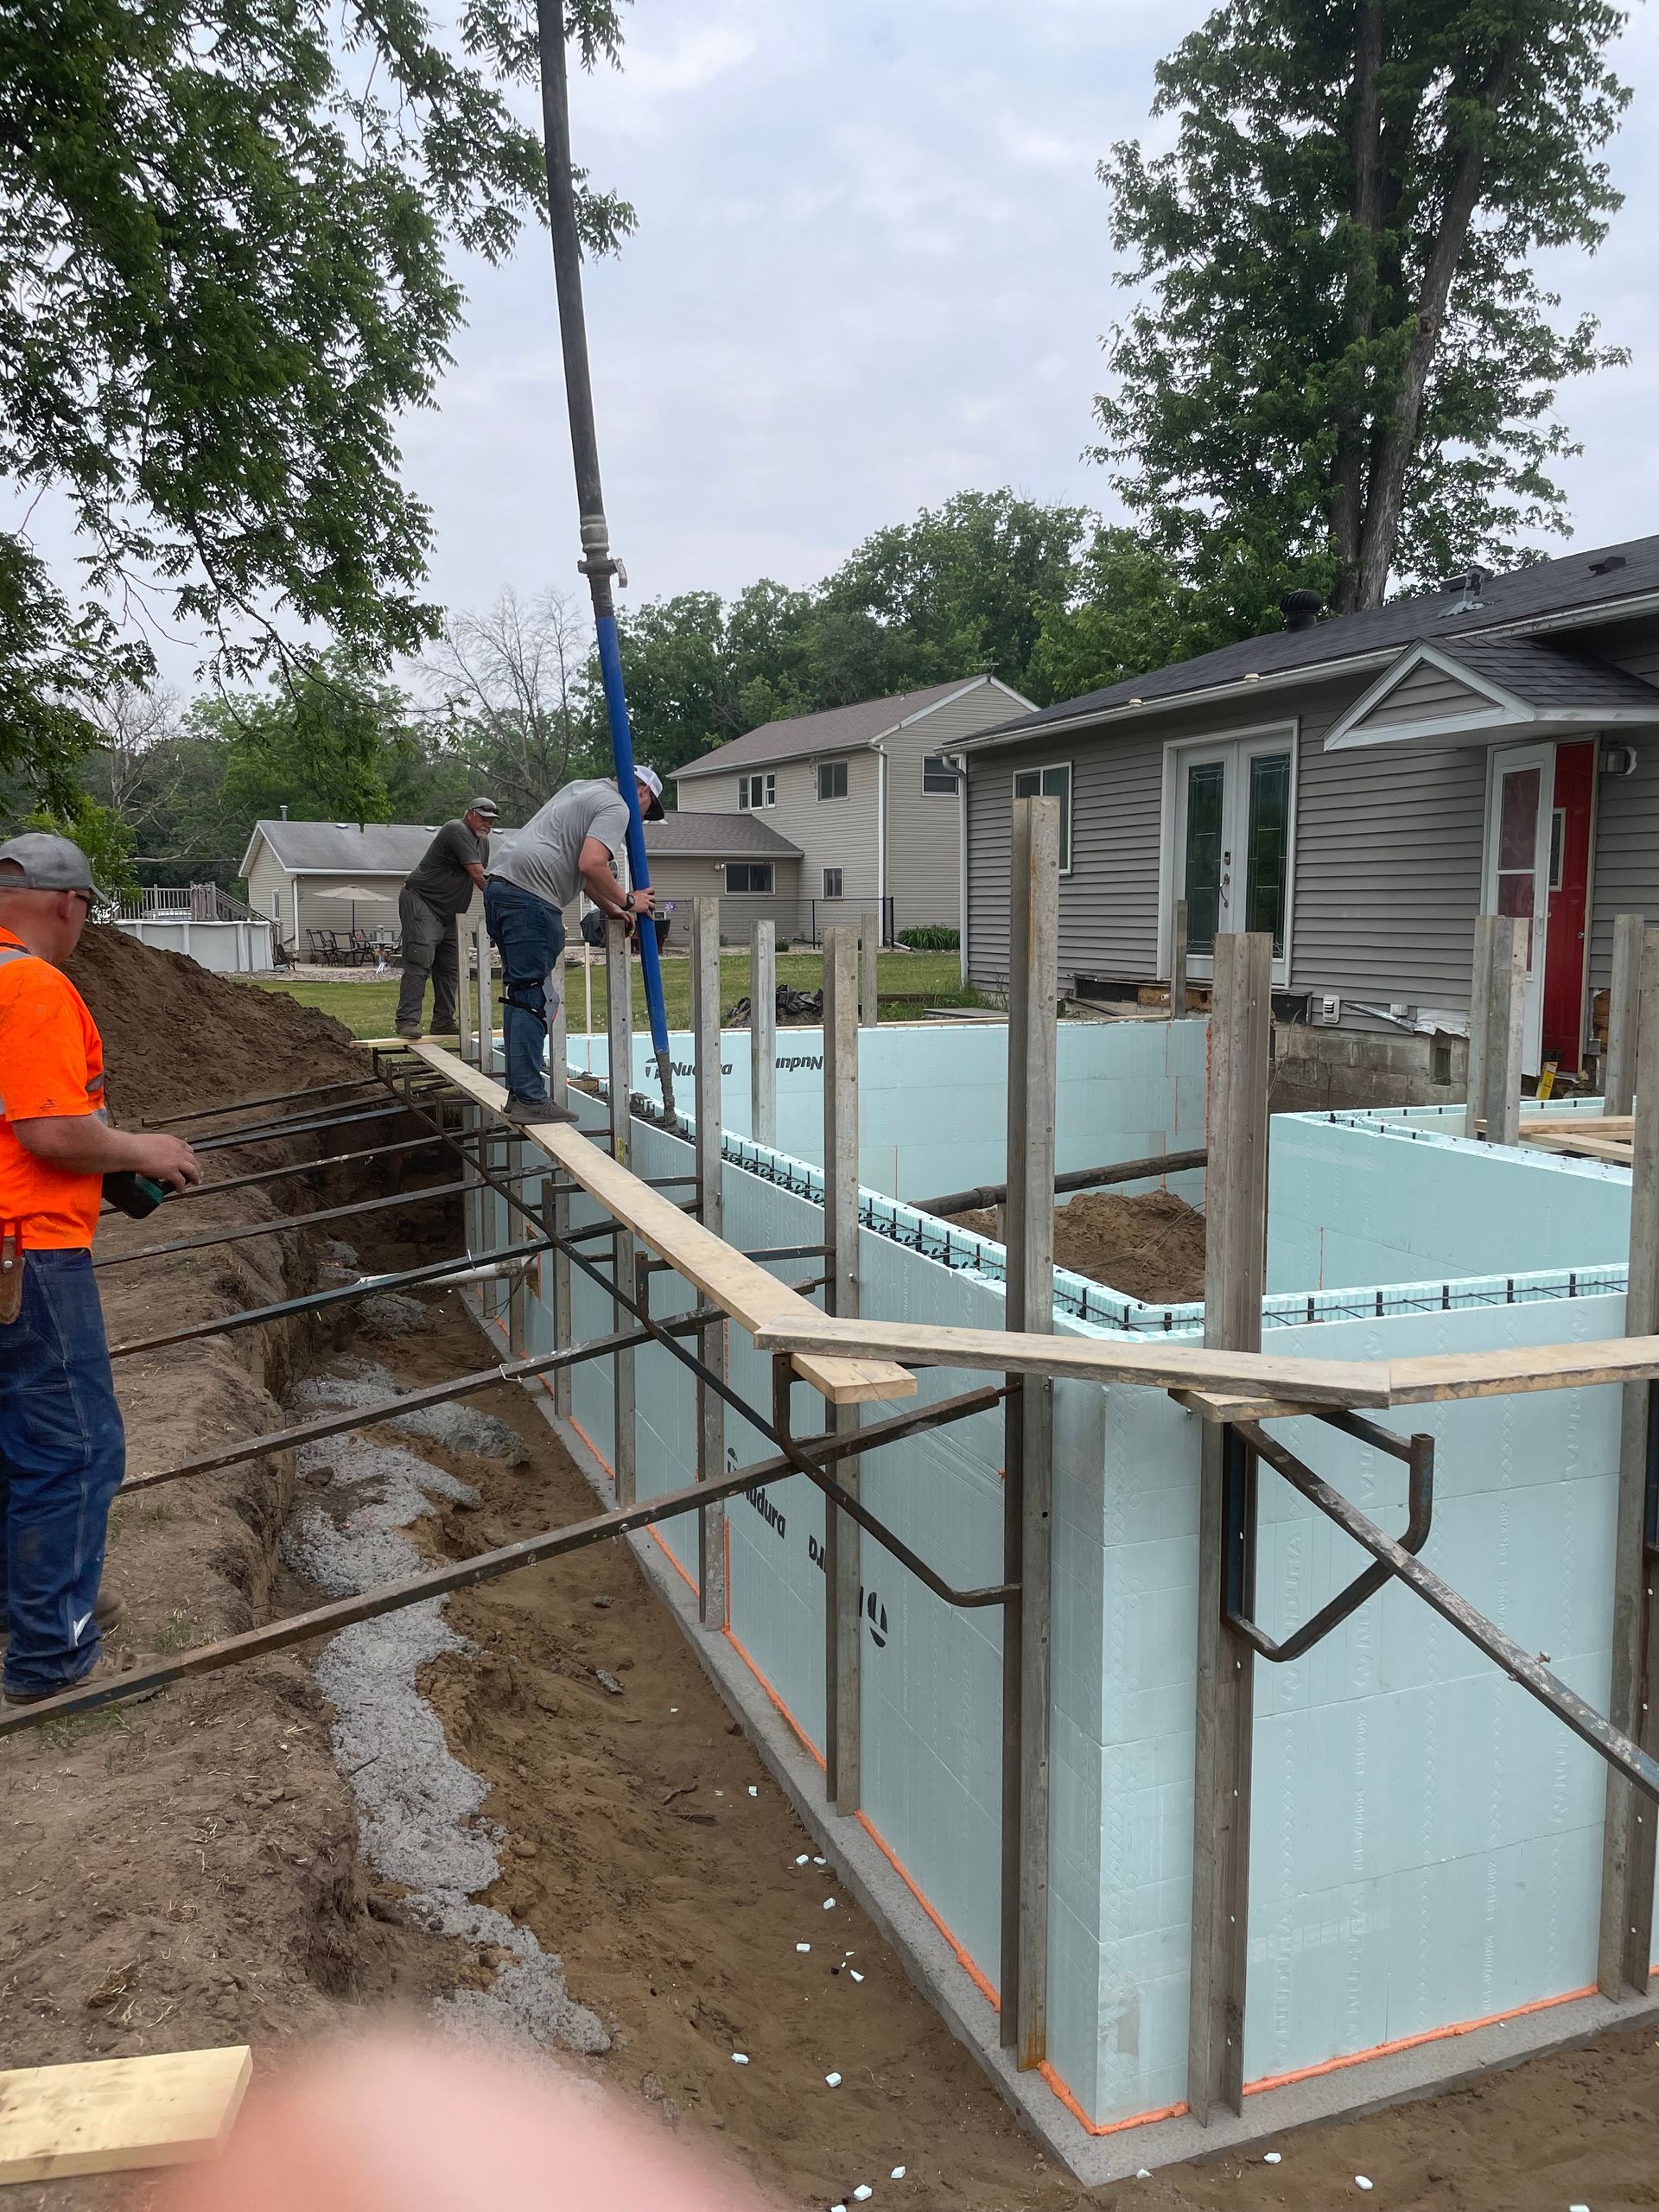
(843, 1539)
(109, 2116)
(711, 1408)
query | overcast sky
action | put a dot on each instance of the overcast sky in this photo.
(872, 269)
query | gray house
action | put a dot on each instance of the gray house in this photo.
(867, 797)
(1362, 787)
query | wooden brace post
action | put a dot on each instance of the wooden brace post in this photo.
(711, 1408)
(1178, 959)
(1027, 1490)
(1618, 1069)
(1627, 1864)
(842, 1544)
(618, 1027)
(1236, 1210)
(763, 1034)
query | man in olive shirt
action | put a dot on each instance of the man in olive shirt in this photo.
(440, 889)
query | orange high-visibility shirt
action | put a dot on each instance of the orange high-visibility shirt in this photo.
(51, 1063)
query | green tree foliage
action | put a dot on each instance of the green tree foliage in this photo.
(105, 839)
(331, 744)
(223, 226)
(1344, 367)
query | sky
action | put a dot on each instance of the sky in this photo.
(873, 268)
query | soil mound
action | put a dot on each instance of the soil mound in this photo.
(175, 1035)
(1150, 1246)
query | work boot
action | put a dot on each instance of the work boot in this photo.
(408, 1030)
(109, 1610)
(533, 1113)
(104, 1671)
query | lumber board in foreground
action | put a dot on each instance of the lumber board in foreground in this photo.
(739, 1286)
(108, 2114)
(1163, 1366)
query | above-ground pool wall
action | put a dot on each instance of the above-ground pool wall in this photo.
(933, 1097)
(1369, 1200)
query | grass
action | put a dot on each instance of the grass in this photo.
(905, 983)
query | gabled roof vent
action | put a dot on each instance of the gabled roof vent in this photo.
(1467, 586)
(1607, 564)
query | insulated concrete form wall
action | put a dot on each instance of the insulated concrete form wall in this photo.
(1426, 1841)
(933, 1098)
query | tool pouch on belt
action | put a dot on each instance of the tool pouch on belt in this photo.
(11, 1271)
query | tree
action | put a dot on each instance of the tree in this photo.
(508, 692)
(1347, 368)
(326, 744)
(223, 226)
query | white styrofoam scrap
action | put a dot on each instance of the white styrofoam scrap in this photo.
(740, 2058)
(820, 1862)
(856, 1974)
(833, 2080)
(1360, 2182)
(753, 1792)
(898, 2173)
(863, 2193)
(801, 1861)
(802, 1947)
(1143, 2173)
(1272, 2159)
(828, 1905)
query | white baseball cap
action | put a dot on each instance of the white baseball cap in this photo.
(653, 783)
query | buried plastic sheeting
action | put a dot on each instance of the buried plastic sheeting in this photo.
(1426, 1839)
(933, 1099)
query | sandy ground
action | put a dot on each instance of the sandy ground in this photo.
(1150, 1246)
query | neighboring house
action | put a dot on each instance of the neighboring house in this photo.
(1362, 788)
(868, 796)
(296, 871)
(739, 858)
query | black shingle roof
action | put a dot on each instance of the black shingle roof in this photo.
(1546, 676)
(1597, 578)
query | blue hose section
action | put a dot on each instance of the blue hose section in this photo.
(616, 710)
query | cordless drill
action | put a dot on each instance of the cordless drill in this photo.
(131, 1193)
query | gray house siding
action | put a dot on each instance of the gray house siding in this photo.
(1625, 872)
(1427, 694)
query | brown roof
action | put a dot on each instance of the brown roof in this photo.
(838, 729)
(718, 836)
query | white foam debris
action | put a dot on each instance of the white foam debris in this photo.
(801, 1861)
(740, 2058)
(753, 1792)
(856, 1974)
(898, 2173)
(828, 1905)
(1143, 2173)
(863, 2193)
(820, 1862)
(802, 1947)
(833, 2080)
(1272, 2159)
(1360, 2182)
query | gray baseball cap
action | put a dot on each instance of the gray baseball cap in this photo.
(486, 807)
(49, 863)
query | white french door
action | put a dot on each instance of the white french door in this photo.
(1520, 817)
(1230, 837)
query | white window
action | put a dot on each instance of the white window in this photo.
(939, 776)
(1229, 840)
(276, 905)
(832, 883)
(756, 791)
(832, 779)
(1050, 783)
(750, 879)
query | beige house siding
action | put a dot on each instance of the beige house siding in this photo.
(684, 877)
(268, 882)
(925, 828)
(831, 833)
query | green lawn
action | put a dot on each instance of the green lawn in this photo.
(913, 979)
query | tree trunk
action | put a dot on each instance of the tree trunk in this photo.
(1395, 445)
(1349, 471)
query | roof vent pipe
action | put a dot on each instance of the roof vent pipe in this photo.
(283, 812)
(1302, 609)
(1468, 585)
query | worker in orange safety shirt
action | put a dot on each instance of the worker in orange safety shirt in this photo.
(62, 1450)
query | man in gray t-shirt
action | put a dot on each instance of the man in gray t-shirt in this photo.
(571, 845)
(438, 890)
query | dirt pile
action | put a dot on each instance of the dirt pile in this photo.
(1150, 1246)
(173, 1033)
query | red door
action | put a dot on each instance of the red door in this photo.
(1569, 885)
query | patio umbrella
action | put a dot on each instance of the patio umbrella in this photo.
(353, 891)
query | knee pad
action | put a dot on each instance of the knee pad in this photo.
(528, 998)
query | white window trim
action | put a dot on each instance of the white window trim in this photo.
(829, 896)
(1041, 768)
(838, 798)
(768, 780)
(1258, 733)
(956, 784)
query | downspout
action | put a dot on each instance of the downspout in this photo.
(959, 761)
(881, 842)
(297, 917)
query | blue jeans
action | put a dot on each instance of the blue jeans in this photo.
(62, 1454)
(528, 935)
